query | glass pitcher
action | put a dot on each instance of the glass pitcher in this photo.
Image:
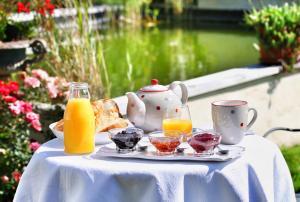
(79, 121)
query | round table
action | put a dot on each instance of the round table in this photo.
(261, 174)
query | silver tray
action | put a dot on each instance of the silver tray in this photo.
(188, 154)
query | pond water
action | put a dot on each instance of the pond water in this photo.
(135, 56)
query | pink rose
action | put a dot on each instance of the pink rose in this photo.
(36, 124)
(4, 179)
(31, 116)
(32, 82)
(16, 175)
(40, 74)
(34, 146)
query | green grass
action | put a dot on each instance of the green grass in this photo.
(292, 157)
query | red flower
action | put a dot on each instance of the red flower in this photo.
(31, 116)
(9, 99)
(35, 124)
(41, 11)
(23, 8)
(34, 146)
(16, 175)
(49, 7)
(4, 179)
(13, 86)
(4, 90)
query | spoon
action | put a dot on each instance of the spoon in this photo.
(222, 151)
(180, 149)
(142, 147)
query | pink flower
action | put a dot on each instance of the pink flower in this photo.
(20, 106)
(31, 116)
(40, 74)
(26, 107)
(15, 108)
(4, 179)
(34, 146)
(52, 90)
(36, 124)
(32, 82)
(9, 99)
(16, 175)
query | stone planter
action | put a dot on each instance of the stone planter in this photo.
(13, 55)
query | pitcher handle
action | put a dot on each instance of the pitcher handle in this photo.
(253, 118)
(184, 91)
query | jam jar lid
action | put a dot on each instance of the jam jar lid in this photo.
(154, 87)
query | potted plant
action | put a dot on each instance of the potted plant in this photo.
(19, 23)
(278, 30)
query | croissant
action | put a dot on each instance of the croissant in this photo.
(107, 116)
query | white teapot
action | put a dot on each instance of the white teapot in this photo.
(146, 108)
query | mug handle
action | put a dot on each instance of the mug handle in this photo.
(253, 118)
(184, 91)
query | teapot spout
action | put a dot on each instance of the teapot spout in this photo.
(136, 109)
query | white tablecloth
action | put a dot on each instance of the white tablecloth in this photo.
(261, 174)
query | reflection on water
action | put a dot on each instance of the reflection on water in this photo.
(135, 56)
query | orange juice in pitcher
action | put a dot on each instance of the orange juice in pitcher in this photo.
(79, 121)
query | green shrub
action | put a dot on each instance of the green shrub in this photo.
(278, 28)
(292, 157)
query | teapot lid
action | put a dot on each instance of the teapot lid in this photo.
(154, 87)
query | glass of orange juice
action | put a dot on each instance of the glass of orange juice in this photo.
(177, 119)
(79, 121)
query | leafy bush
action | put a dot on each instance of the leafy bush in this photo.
(292, 157)
(278, 29)
(20, 125)
(16, 120)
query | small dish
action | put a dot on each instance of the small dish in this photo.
(165, 145)
(126, 139)
(100, 138)
(204, 142)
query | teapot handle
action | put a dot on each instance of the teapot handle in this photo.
(184, 91)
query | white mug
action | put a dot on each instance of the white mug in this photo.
(230, 118)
